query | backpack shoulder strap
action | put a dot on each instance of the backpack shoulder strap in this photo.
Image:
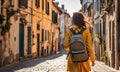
(82, 30)
(73, 31)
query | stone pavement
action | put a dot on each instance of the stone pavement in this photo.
(101, 67)
(53, 63)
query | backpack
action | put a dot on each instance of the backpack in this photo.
(78, 50)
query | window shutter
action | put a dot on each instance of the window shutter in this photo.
(56, 18)
(37, 3)
(42, 4)
(42, 34)
(48, 8)
(23, 3)
(53, 16)
(26, 3)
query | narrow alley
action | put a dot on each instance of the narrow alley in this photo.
(33, 32)
(53, 63)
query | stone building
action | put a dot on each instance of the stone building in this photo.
(56, 12)
(15, 29)
(106, 30)
(88, 12)
(110, 30)
(45, 27)
(37, 16)
(64, 21)
(26, 29)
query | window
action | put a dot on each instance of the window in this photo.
(37, 3)
(85, 7)
(47, 8)
(38, 26)
(10, 2)
(54, 16)
(46, 5)
(14, 38)
(97, 3)
(42, 4)
(23, 3)
(102, 1)
(2, 1)
(42, 51)
(42, 34)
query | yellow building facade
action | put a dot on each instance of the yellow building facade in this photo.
(31, 32)
(56, 12)
(15, 35)
(45, 32)
(37, 15)
(41, 28)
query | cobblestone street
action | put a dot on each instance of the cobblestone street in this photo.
(53, 63)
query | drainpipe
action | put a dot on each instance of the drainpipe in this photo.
(116, 37)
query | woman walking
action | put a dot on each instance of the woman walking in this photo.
(78, 24)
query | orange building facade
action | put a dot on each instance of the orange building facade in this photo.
(32, 32)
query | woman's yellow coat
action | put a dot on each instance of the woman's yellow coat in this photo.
(80, 66)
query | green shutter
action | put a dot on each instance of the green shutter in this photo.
(54, 17)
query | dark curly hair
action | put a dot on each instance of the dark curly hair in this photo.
(78, 19)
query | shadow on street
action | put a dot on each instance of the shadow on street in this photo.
(31, 63)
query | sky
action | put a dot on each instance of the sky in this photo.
(70, 5)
